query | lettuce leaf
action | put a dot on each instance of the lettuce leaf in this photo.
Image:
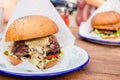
(99, 33)
(117, 33)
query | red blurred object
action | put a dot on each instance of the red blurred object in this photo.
(65, 17)
(64, 13)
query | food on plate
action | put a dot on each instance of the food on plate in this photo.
(32, 38)
(107, 25)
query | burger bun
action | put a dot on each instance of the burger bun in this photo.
(112, 38)
(107, 21)
(16, 61)
(30, 27)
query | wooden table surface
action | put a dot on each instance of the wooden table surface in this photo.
(104, 62)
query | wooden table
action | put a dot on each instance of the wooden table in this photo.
(104, 63)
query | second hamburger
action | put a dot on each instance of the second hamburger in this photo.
(107, 25)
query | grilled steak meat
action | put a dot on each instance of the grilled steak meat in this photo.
(48, 45)
(107, 32)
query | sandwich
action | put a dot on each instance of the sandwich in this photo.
(32, 38)
(107, 25)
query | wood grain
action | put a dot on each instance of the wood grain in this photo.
(104, 62)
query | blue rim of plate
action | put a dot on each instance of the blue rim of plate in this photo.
(100, 41)
(45, 75)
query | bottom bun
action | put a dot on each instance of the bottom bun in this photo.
(51, 63)
(14, 60)
(112, 38)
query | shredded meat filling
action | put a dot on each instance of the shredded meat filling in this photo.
(54, 47)
(21, 49)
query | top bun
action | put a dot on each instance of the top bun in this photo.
(104, 18)
(30, 27)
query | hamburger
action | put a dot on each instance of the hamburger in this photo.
(32, 39)
(107, 25)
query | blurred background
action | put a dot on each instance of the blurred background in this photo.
(67, 10)
(73, 12)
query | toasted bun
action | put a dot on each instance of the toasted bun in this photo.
(105, 18)
(112, 38)
(108, 27)
(16, 61)
(51, 63)
(30, 27)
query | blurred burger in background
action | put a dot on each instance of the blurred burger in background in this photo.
(107, 25)
(33, 40)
